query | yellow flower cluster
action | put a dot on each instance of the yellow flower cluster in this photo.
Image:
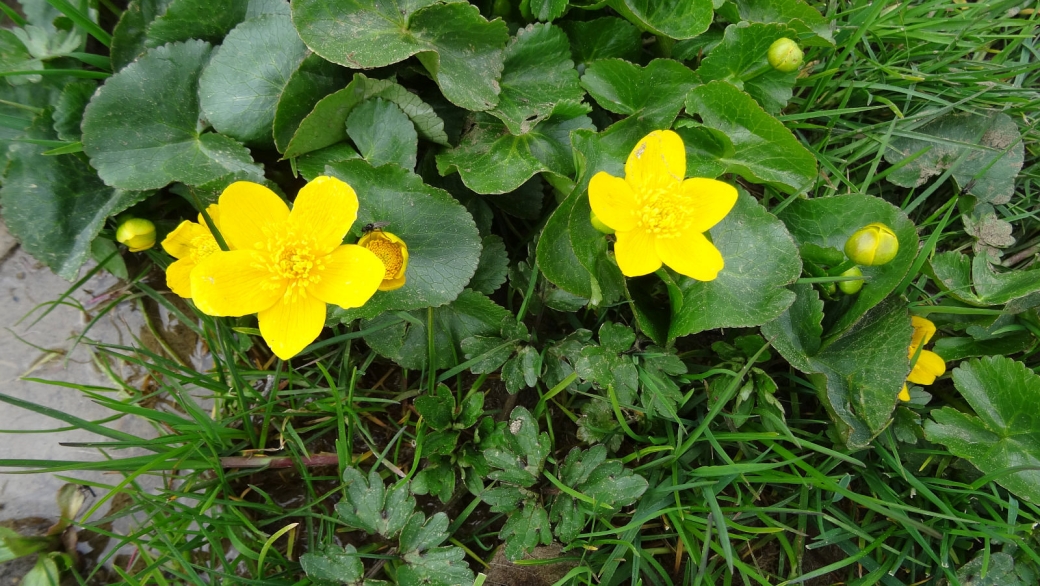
(284, 265)
(929, 365)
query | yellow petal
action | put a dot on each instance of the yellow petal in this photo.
(178, 277)
(635, 253)
(351, 276)
(710, 200)
(923, 332)
(904, 394)
(612, 201)
(178, 243)
(691, 254)
(291, 324)
(658, 159)
(928, 366)
(249, 214)
(214, 215)
(234, 283)
(324, 210)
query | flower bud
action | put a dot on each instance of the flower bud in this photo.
(393, 252)
(599, 225)
(137, 233)
(785, 55)
(851, 287)
(872, 245)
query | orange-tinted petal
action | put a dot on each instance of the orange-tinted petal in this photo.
(658, 159)
(178, 243)
(928, 366)
(178, 277)
(234, 283)
(324, 210)
(691, 254)
(289, 326)
(635, 253)
(709, 200)
(923, 332)
(612, 201)
(249, 214)
(351, 276)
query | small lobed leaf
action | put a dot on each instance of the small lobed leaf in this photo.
(370, 507)
(442, 566)
(525, 530)
(341, 565)
(421, 534)
(383, 134)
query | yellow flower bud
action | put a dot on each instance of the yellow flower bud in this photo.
(872, 245)
(599, 225)
(851, 287)
(138, 234)
(785, 55)
(393, 252)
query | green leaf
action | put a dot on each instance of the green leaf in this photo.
(421, 534)
(141, 128)
(653, 94)
(68, 111)
(56, 205)
(44, 573)
(370, 507)
(15, 57)
(326, 123)
(338, 564)
(857, 376)
(538, 74)
(606, 37)
(547, 10)
(491, 160)
(438, 410)
(239, 89)
(443, 242)
(678, 19)
(760, 259)
(958, 348)
(14, 546)
(383, 134)
(1001, 434)
(130, 33)
(470, 315)
(741, 60)
(461, 49)
(986, 148)
(829, 221)
(998, 569)
(313, 163)
(812, 27)
(493, 266)
(442, 566)
(525, 530)
(761, 149)
(208, 20)
(974, 281)
(312, 80)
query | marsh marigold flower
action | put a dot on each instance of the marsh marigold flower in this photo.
(137, 234)
(189, 243)
(872, 245)
(657, 214)
(393, 252)
(286, 265)
(929, 364)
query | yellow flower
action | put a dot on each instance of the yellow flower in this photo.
(393, 252)
(137, 234)
(189, 243)
(929, 364)
(285, 266)
(872, 245)
(659, 216)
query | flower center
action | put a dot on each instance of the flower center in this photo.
(202, 246)
(389, 253)
(294, 260)
(662, 211)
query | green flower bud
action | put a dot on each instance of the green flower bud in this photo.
(785, 55)
(851, 287)
(872, 245)
(138, 234)
(597, 224)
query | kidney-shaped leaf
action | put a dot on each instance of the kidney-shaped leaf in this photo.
(742, 52)
(678, 19)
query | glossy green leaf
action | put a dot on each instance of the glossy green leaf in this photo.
(141, 128)
(68, 111)
(130, 33)
(741, 60)
(546, 10)
(383, 134)
(14, 56)
(1000, 434)
(207, 20)
(461, 49)
(490, 160)
(974, 280)
(653, 94)
(493, 266)
(761, 149)
(829, 221)
(239, 89)
(678, 19)
(443, 242)
(538, 74)
(607, 37)
(986, 148)
(312, 80)
(955, 349)
(313, 163)
(812, 27)
(760, 259)
(56, 205)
